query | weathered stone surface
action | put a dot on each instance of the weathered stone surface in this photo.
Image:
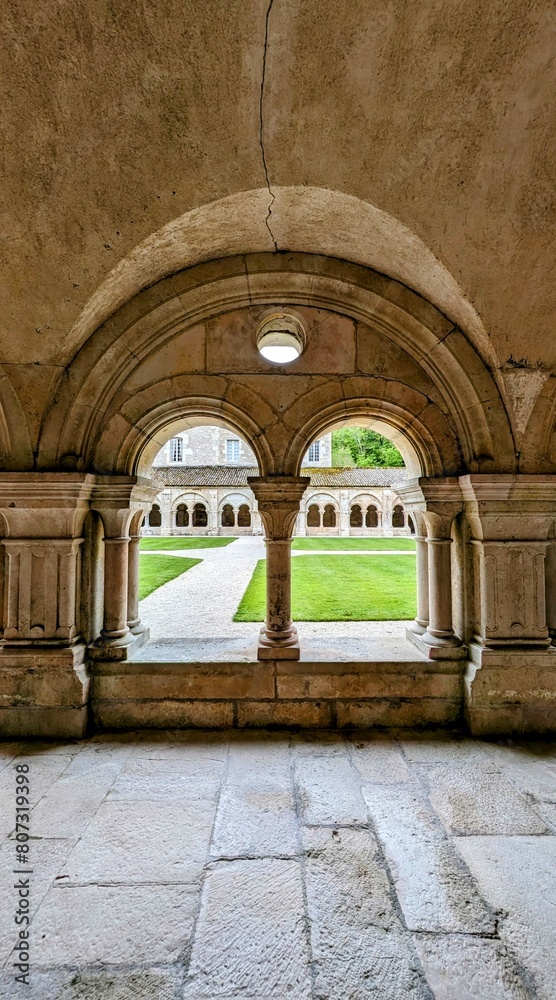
(71, 802)
(250, 937)
(256, 812)
(517, 875)
(93, 984)
(308, 714)
(392, 712)
(439, 748)
(358, 942)
(114, 925)
(327, 791)
(164, 714)
(114, 849)
(435, 890)
(479, 800)
(43, 772)
(45, 859)
(470, 968)
(378, 759)
(185, 778)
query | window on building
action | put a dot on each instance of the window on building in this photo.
(314, 452)
(228, 516)
(329, 517)
(182, 516)
(232, 450)
(200, 518)
(356, 516)
(398, 519)
(176, 450)
(244, 516)
(313, 516)
(155, 516)
(371, 517)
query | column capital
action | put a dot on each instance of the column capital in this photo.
(510, 507)
(118, 498)
(278, 499)
(44, 504)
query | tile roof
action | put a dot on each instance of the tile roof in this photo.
(236, 475)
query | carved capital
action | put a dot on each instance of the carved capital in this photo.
(279, 499)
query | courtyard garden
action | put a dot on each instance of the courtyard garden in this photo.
(327, 544)
(341, 588)
(154, 570)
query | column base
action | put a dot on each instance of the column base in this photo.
(510, 690)
(434, 648)
(286, 648)
(44, 691)
(417, 627)
(120, 649)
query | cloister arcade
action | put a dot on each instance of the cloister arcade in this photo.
(376, 354)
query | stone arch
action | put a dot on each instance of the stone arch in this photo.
(181, 516)
(125, 392)
(313, 516)
(244, 517)
(155, 516)
(227, 516)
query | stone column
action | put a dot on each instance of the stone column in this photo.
(121, 501)
(420, 625)
(433, 504)
(279, 499)
(344, 514)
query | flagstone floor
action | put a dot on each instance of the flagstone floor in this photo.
(190, 865)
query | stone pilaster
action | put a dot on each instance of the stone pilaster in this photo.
(44, 683)
(279, 499)
(511, 678)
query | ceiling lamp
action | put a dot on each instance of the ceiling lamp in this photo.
(280, 338)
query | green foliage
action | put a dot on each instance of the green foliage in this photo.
(334, 588)
(155, 570)
(366, 449)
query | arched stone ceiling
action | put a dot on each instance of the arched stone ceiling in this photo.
(118, 119)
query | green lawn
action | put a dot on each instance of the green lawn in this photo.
(162, 544)
(156, 570)
(355, 544)
(340, 588)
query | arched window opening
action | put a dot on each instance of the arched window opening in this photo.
(200, 518)
(329, 516)
(244, 516)
(398, 518)
(182, 516)
(155, 517)
(411, 524)
(228, 516)
(356, 516)
(313, 516)
(371, 517)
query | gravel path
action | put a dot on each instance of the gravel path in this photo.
(201, 603)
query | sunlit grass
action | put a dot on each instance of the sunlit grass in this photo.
(155, 570)
(154, 543)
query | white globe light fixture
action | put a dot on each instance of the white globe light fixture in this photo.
(280, 338)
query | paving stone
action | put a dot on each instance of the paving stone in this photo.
(517, 875)
(328, 790)
(46, 859)
(470, 968)
(378, 759)
(358, 943)
(136, 925)
(318, 742)
(531, 771)
(250, 938)
(71, 802)
(479, 800)
(43, 772)
(428, 748)
(99, 984)
(8, 752)
(184, 779)
(256, 811)
(435, 890)
(137, 842)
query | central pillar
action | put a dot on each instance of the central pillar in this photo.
(279, 499)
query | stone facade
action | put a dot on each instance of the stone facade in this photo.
(218, 446)
(217, 500)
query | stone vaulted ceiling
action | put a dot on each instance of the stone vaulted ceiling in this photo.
(119, 118)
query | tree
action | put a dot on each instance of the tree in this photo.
(366, 448)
